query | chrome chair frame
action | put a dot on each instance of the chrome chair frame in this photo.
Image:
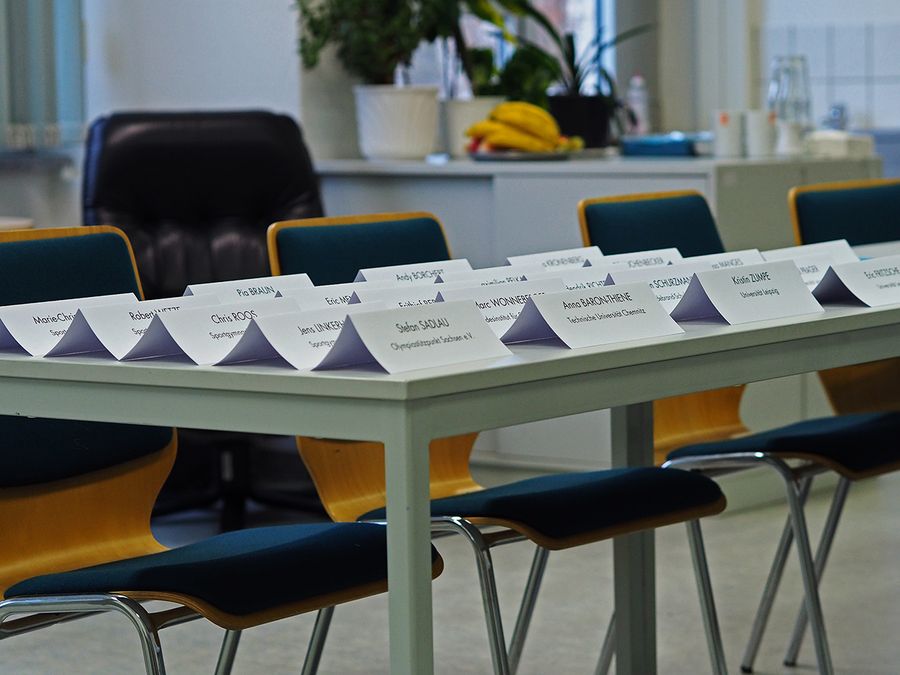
(506, 660)
(797, 480)
(45, 611)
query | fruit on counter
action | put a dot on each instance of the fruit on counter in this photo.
(520, 126)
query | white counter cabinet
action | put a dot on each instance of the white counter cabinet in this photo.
(495, 209)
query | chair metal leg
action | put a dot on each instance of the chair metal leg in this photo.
(707, 603)
(228, 652)
(831, 523)
(807, 572)
(526, 611)
(608, 650)
(485, 565)
(772, 582)
(139, 617)
(317, 641)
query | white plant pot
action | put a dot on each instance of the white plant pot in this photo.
(396, 122)
(463, 113)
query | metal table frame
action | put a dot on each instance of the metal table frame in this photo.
(406, 411)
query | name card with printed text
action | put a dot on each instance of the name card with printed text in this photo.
(301, 339)
(813, 268)
(753, 293)
(874, 282)
(411, 338)
(116, 329)
(716, 261)
(577, 278)
(500, 305)
(418, 273)
(570, 257)
(838, 249)
(240, 290)
(593, 317)
(488, 276)
(397, 296)
(203, 334)
(668, 282)
(332, 295)
(655, 258)
(36, 327)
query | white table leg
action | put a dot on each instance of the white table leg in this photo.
(633, 554)
(409, 551)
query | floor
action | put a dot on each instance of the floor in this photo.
(861, 597)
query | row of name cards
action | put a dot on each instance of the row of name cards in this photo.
(587, 318)
(35, 328)
(874, 282)
(770, 290)
(248, 289)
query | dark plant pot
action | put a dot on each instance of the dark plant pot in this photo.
(585, 116)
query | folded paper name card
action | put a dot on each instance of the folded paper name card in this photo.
(488, 276)
(576, 278)
(332, 295)
(203, 334)
(668, 282)
(301, 339)
(410, 338)
(654, 258)
(752, 293)
(397, 296)
(247, 289)
(500, 305)
(838, 249)
(550, 260)
(116, 329)
(35, 328)
(874, 282)
(716, 261)
(593, 317)
(813, 268)
(418, 273)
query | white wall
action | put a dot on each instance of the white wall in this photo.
(178, 54)
(819, 12)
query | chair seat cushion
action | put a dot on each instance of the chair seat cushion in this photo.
(859, 444)
(560, 506)
(240, 572)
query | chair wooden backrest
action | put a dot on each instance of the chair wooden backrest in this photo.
(679, 219)
(349, 475)
(862, 212)
(73, 493)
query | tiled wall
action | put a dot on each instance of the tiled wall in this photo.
(857, 65)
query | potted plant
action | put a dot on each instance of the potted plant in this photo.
(372, 38)
(525, 76)
(578, 112)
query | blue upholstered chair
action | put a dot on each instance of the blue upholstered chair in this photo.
(554, 512)
(76, 498)
(854, 445)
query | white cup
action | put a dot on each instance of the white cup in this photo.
(726, 126)
(789, 140)
(759, 133)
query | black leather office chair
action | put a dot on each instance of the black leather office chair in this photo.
(195, 192)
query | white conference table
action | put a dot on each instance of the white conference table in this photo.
(405, 412)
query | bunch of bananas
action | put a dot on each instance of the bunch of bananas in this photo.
(515, 125)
